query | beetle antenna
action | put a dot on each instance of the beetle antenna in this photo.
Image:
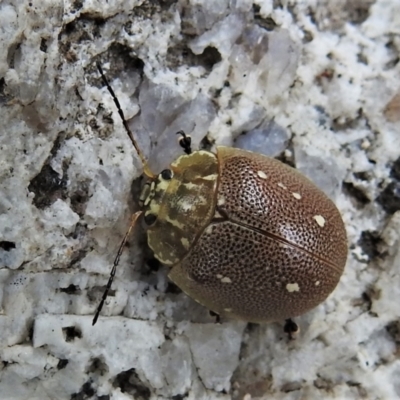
(114, 268)
(146, 168)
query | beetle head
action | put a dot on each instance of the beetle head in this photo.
(178, 203)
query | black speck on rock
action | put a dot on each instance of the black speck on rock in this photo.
(356, 193)
(389, 198)
(369, 242)
(48, 187)
(97, 366)
(71, 289)
(395, 170)
(129, 382)
(62, 363)
(6, 245)
(393, 328)
(86, 392)
(71, 333)
(80, 198)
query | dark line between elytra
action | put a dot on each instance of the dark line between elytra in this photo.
(226, 218)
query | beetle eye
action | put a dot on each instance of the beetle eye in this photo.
(149, 219)
(166, 174)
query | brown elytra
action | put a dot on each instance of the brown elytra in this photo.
(275, 247)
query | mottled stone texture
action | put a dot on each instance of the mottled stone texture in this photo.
(314, 83)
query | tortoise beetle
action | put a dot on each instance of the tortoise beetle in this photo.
(245, 235)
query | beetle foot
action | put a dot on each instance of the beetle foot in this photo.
(291, 329)
(185, 142)
(216, 316)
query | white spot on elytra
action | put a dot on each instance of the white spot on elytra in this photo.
(262, 174)
(296, 195)
(221, 200)
(281, 185)
(228, 309)
(219, 276)
(292, 287)
(320, 220)
(226, 280)
(317, 283)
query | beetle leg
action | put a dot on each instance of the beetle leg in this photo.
(216, 316)
(291, 328)
(116, 262)
(185, 142)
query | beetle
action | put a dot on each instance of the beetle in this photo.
(245, 235)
